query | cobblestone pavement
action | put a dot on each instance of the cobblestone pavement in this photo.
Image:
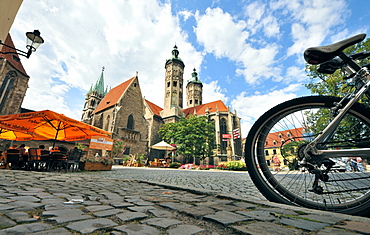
(229, 182)
(69, 203)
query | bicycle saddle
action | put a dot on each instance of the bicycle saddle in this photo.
(318, 55)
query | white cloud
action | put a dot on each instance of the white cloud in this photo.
(219, 34)
(212, 92)
(251, 107)
(125, 37)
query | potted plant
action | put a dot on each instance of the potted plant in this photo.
(96, 163)
(139, 160)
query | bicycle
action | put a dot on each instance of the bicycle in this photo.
(312, 131)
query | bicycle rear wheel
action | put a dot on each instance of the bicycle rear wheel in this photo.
(286, 129)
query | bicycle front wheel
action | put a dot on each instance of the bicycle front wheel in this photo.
(283, 132)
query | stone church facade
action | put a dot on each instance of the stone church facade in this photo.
(13, 80)
(123, 111)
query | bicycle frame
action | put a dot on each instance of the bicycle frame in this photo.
(363, 75)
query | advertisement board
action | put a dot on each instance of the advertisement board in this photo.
(103, 143)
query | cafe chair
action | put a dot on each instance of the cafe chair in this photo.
(12, 158)
(74, 157)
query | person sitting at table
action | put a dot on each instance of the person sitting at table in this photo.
(23, 156)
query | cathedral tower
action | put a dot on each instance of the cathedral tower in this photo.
(194, 90)
(93, 98)
(173, 96)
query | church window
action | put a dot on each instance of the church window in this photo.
(196, 102)
(135, 84)
(274, 151)
(168, 84)
(223, 130)
(191, 101)
(130, 122)
(175, 83)
(266, 152)
(174, 98)
(107, 123)
(180, 85)
(92, 103)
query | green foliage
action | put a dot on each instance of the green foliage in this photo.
(193, 136)
(236, 165)
(80, 146)
(175, 165)
(334, 84)
(118, 147)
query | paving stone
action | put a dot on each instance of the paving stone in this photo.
(226, 217)
(64, 219)
(108, 212)
(26, 205)
(129, 216)
(265, 228)
(322, 218)
(354, 226)
(185, 230)
(5, 222)
(162, 222)
(244, 205)
(303, 224)
(4, 200)
(26, 228)
(120, 204)
(160, 213)
(61, 231)
(336, 231)
(225, 207)
(198, 211)
(175, 205)
(5, 207)
(98, 208)
(137, 229)
(89, 226)
(141, 208)
(143, 203)
(25, 198)
(20, 216)
(68, 212)
(258, 215)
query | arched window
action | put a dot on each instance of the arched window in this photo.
(130, 122)
(223, 130)
(107, 123)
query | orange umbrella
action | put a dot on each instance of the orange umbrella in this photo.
(18, 136)
(50, 125)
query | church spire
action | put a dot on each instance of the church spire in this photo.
(99, 85)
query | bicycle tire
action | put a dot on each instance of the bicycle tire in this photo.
(291, 186)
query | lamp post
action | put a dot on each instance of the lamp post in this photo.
(34, 40)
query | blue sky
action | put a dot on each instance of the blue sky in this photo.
(247, 53)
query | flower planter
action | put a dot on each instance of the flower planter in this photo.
(95, 166)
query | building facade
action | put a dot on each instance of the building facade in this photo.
(13, 80)
(136, 121)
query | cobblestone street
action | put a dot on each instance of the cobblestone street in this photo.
(228, 182)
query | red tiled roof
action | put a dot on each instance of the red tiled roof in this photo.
(272, 138)
(10, 57)
(201, 109)
(113, 96)
(155, 108)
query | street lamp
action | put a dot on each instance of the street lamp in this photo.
(34, 40)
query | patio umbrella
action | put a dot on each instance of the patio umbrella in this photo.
(163, 146)
(18, 136)
(50, 125)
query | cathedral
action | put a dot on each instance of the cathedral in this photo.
(136, 121)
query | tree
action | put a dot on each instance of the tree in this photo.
(193, 136)
(335, 85)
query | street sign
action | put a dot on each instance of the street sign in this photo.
(226, 136)
(236, 133)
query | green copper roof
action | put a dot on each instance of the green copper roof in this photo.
(99, 85)
(194, 77)
(175, 57)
